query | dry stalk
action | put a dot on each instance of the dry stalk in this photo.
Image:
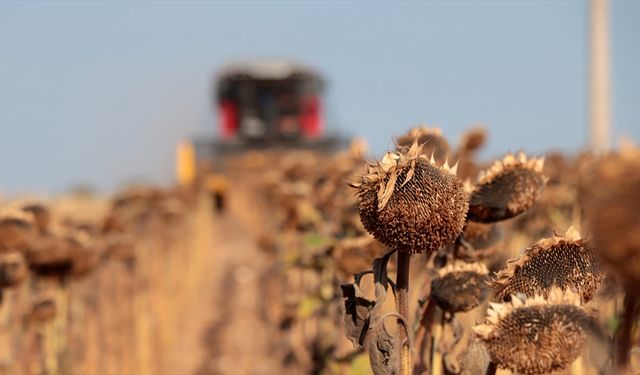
(624, 334)
(402, 282)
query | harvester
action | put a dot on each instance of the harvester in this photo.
(260, 105)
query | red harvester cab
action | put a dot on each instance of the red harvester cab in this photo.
(270, 103)
(273, 104)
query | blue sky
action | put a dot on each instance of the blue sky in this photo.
(98, 93)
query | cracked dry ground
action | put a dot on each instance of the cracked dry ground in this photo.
(237, 337)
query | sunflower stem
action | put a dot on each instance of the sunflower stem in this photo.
(625, 330)
(402, 284)
(437, 367)
(422, 343)
(491, 369)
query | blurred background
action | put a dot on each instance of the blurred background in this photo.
(177, 256)
(98, 94)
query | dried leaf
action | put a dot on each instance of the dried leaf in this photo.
(380, 269)
(381, 191)
(410, 173)
(388, 191)
(383, 348)
(388, 161)
(364, 325)
(358, 276)
(357, 313)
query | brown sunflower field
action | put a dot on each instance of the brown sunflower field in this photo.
(425, 260)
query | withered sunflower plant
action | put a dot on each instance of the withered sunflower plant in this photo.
(415, 203)
(412, 204)
(535, 335)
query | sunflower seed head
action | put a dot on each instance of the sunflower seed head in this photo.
(483, 238)
(567, 262)
(473, 139)
(460, 266)
(13, 269)
(410, 202)
(460, 286)
(14, 212)
(511, 161)
(430, 140)
(16, 227)
(509, 187)
(535, 335)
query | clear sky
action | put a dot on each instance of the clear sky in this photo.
(98, 93)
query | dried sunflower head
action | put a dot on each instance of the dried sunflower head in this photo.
(564, 261)
(43, 309)
(535, 335)
(411, 204)
(610, 196)
(510, 187)
(431, 140)
(460, 286)
(472, 140)
(63, 251)
(121, 247)
(13, 269)
(41, 215)
(481, 235)
(52, 255)
(357, 147)
(484, 238)
(16, 229)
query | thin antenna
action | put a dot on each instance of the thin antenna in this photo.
(599, 77)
